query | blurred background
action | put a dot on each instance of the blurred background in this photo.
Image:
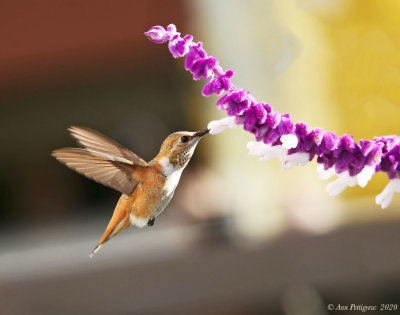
(240, 236)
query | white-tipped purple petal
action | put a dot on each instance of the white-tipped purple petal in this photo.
(385, 197)
(266, 151)
(343, 181)
(272, 152)
(257, 148)
(299, 158)
(289, 141)
(325, 174)
(217, 126)
(365, 175)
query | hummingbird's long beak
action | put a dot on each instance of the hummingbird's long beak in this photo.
(201, 133)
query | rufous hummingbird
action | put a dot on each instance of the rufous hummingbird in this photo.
(146, 188)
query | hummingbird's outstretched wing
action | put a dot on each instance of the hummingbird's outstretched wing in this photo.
(114, 174)
(103, 146)
(102, 160)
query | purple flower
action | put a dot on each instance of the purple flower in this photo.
(271, 136)
(260, 132)
(344, 153)
(346, 143)
(235, 102)
(343, 162)
(252, 116)
(157, 34)
(285, 126)
(389, 165)
(318, 137)
(306, 139)
(273, 119)
(327, 160)
(269, 127)
(374, 157)
(267, 107)
(358, 163)
(196, 52)
(178, 46)
(390, 157)
(219, 84)
(366, 147)
(326, 142)
(203, 67)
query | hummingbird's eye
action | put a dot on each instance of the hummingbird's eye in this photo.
(184, 139)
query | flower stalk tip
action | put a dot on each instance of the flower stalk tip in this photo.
(157, 34)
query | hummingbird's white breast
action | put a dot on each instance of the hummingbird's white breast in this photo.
(172, 175)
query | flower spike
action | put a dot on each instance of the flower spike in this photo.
(277, 135)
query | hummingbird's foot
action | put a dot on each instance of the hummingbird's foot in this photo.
(151, 222)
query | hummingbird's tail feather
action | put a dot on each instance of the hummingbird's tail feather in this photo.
(95, 250)
(119, 222)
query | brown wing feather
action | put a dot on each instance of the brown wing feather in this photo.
(114, 174)
(103, 146)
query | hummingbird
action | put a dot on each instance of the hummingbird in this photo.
(146, 187)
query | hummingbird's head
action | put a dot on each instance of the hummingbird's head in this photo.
(179, 147)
